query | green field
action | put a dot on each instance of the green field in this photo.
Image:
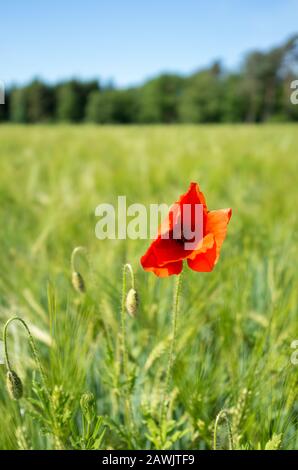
(235, 325)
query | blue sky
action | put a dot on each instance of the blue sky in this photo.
(129, 40)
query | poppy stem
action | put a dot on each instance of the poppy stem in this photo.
(175, 311)
(74, 253)
(126, 268)
(32, 345)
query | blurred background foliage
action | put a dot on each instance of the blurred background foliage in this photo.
(235, 326)
(259, 91)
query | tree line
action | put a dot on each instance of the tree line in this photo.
(259, 91)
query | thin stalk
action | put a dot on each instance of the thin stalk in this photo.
(58, 442)
(32, 345)
(73, 257)
(175, 312)
(126, 267)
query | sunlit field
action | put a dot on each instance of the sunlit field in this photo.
(235, 324)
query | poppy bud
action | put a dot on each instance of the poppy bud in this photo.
(76, 278)
(14, 385)
(78, 282)
(132, 302)
(87, 403)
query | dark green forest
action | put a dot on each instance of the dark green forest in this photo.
(259, 91)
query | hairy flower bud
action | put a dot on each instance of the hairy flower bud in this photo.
(132, 302)
(14, 385)
(87, 403)
(78, 282)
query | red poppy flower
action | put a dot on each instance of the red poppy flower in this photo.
(166, 253)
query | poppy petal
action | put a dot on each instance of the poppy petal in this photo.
(217, 222)
(166, 270)
(193, 196)
(170, 220)
(203, 258)
(163, 251)
(165, 255)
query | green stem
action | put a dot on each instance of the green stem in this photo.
(32, 345)
(73, 256)
(175, 311)
(222, 415)
(126, 267)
